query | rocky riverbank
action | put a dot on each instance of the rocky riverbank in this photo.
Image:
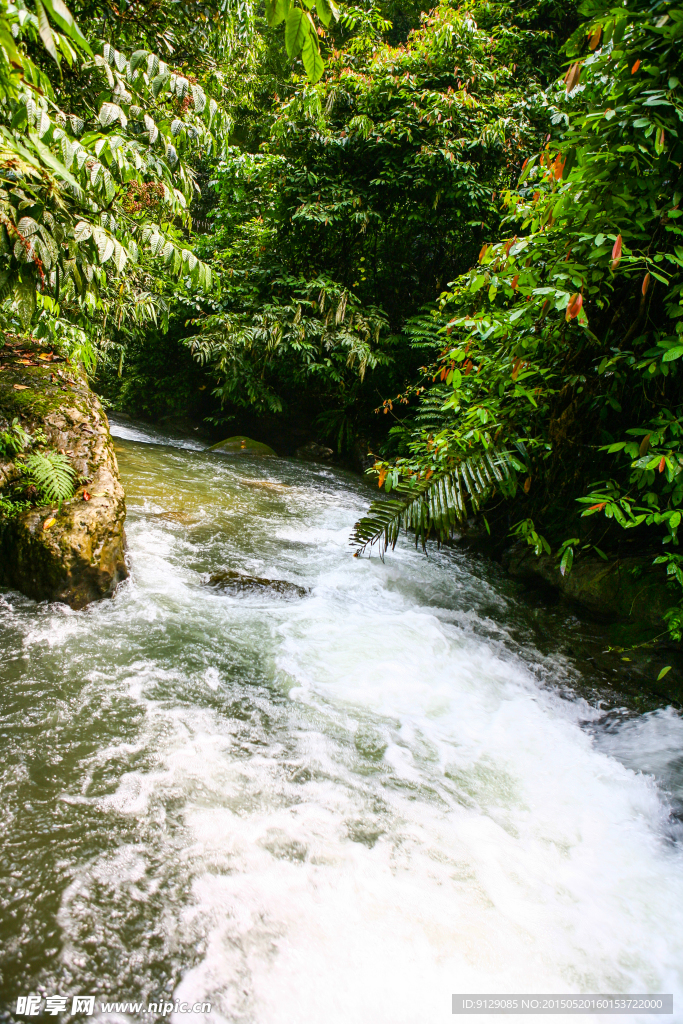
(621, 588)
(74, 552)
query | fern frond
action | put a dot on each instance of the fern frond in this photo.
(436, 505)
(52, 474)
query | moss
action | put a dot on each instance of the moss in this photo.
(80, 557)
(10, 509)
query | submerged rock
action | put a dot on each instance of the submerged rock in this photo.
(313, 452)
(79, 557)
(240, 583)
(241, 445)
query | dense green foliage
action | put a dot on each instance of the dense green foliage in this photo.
(451, 236)
(563, 344)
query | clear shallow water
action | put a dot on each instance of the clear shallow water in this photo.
(340, 808)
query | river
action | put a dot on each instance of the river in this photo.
(337, 807)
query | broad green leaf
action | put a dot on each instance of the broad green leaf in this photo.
(277, 11)
(324, 11)
(297, 27)
(138, 59)
(52, 162)
(672, 353)
(311, 58)
(25, 301)
(158, 82)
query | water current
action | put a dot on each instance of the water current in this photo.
(337, 807)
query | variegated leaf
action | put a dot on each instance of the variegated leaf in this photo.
(120, 256)
(199, 98)
(151, 128)
(82, 231)
(44, 124)
(27, 226)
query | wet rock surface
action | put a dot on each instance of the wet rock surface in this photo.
(626, 588)
(243, 445)
(239, 583)
(80, 557)
(315, 452)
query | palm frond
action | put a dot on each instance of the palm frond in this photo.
(436, 505)
(52, 475)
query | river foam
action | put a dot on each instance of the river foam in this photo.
(345, 807)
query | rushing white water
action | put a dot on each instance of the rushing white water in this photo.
(339, 808)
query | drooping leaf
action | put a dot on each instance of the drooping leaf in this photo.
(571, 79)
(324, 11)
(45, 31)
(616, 253)
(297, 27)
(277, 11)
(595, 38)
(25, 302)
(574, 306)
(311, 58)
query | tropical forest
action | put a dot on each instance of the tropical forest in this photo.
(341, 494)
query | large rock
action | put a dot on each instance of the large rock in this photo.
(239, 583)
(242, 445)
(314, 452)
(80, 558)
(626, 588)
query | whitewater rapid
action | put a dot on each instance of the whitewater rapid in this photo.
(344, 807)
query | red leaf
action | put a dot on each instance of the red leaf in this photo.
(86, 496)
(598, 507)
(483, 252)
(616, 253)
(574, 306)
(382, 477)
(527, 485)
(646, 284)
(571, 79)
(514, 282)
(662, 464)
(635, 67)
(595, 38)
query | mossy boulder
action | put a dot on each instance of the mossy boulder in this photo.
(623, 588)
(242, 445)
(80, 557)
